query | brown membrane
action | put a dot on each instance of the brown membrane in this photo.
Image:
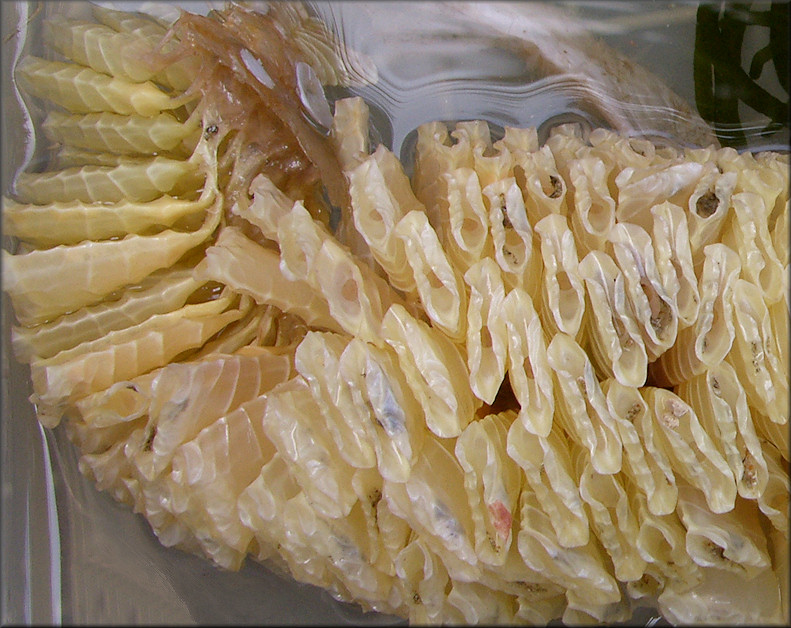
(271, 126)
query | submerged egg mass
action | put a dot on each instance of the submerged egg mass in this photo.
(516, 381)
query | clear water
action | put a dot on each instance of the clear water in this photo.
(430, 67)
(436, 64)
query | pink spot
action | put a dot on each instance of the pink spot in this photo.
(501, 518)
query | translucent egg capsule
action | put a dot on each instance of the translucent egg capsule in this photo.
(610, 515)
(317, 359)
(610, 332)
(594, 207)
(292, 422)
(514, 241)
(126, 353)
(661, 542)
(581, 408)
(424, 579)
(528, 370)
(261, 503)
(731, 541)
(438, 512)
(466, 235)
(486, 345)
(249, 268)
(720, 402)
(436, 153)
(707, 210)
(673, 257)
(748, 234)
(543, 187)
(439, 283)
(395, 425)
(709, 340)
(690, 448)
(644, 462)
(492, 483)
(639, 189)
(381, 196)
(493, 162)
(774, 500)
(435, 370)
(652, 301)
(562, 291)
(212, 470)
(550, 476)
(583, 571)
(754, 356)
